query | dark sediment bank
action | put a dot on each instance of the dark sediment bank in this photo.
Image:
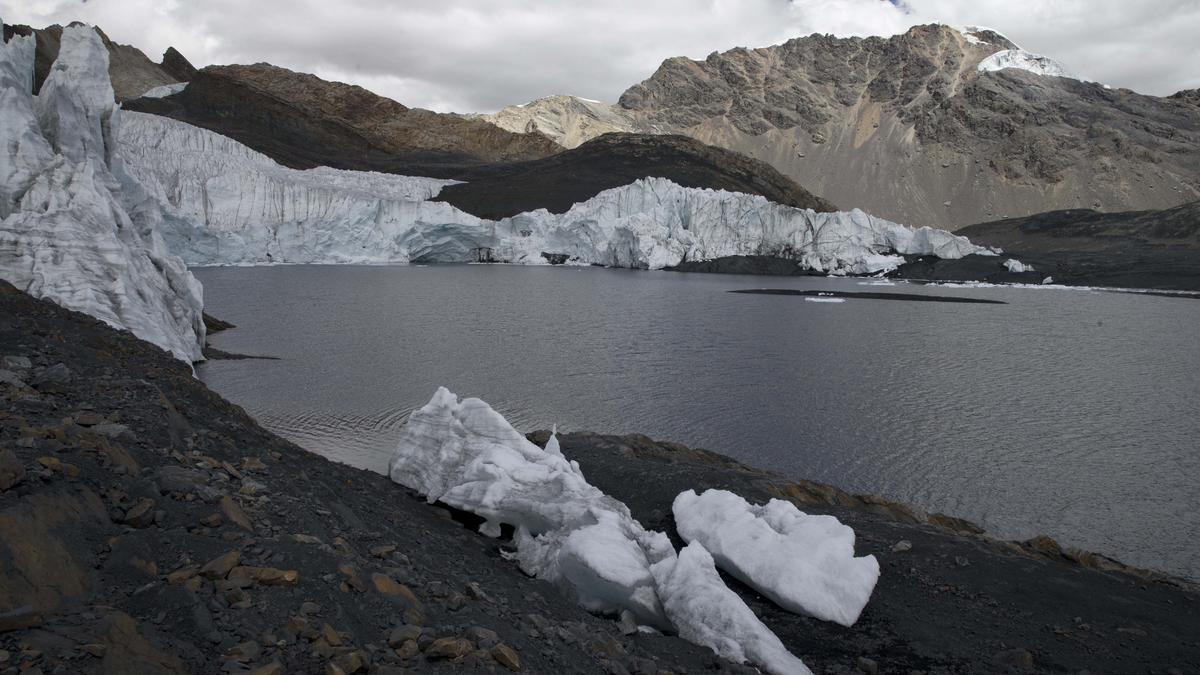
(147, 521)
(906, 297)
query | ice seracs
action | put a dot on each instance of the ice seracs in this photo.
(231, 205)
(464, 454)
(803, 563)
(76, 228)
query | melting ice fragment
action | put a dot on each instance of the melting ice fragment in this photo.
(466, 455)
(804, 563)
(707, 613)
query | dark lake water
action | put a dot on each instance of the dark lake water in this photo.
(1065, 412)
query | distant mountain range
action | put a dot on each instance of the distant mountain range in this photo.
(936, 127)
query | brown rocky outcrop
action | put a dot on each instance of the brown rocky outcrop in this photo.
(303, 121)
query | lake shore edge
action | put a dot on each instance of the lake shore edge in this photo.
(128, 487)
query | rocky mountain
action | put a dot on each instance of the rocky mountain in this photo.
(933, 127)
(612, 160)
(567, 120)
(131, 71)
(303, 121)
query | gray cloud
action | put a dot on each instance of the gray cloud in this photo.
(466, 55)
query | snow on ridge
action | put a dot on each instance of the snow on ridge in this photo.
(75, 227)
(1023, 60)
(465, 454)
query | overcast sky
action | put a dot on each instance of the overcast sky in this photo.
(472, 55)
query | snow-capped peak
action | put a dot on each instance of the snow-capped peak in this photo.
(1023, 60)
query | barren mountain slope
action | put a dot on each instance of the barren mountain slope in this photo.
(303, 121)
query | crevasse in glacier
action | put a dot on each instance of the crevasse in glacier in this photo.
(76, 228)
(235, 206)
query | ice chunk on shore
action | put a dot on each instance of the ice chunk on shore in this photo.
(708, 613)
(804, 563)
(465, 454)
(1016, 266)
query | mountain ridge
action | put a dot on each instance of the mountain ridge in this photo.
(910, 128)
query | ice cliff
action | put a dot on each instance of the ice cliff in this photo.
(235, 206)
(464, 454)
(75, 227)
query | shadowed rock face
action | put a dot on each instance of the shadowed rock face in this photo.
(177, 66)
(613, 160)
(303, 121)
(132, 72)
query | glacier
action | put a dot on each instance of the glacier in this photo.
(464, 454)
(803, 563)
(75, 227)
(1023, 60)
(231, 205)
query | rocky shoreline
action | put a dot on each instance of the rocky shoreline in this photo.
(147, 525)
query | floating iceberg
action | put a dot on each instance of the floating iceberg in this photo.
(75, 227)
(465, 454)
(232, 205)
(707, 613)
(803, 563)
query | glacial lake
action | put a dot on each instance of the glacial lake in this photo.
(1072, 413)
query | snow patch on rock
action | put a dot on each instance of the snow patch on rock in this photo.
(76, 228)
(165, 90)
(803, 563)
